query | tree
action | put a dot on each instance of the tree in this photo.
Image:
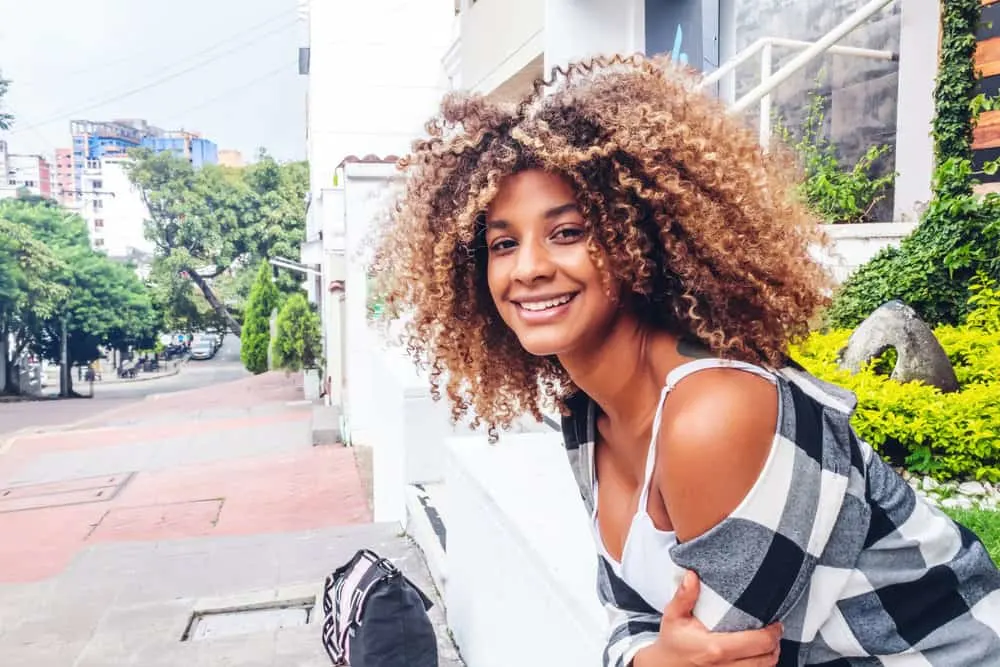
(297, 342)
(6, 120)
(99, 301)
(29, 287)
(209, 221)
(256, 338)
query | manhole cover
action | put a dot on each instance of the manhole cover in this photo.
(246, 620)
(78, 491)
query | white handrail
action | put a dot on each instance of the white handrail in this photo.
(731, 64)
(820, 46)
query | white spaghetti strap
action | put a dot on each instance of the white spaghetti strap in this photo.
(675, 376)
(686, 369)
(651, 452)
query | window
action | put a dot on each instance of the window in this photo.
(98, 223)
(93, 164)
(11, 181)
(98, 243)
(98, 185)
(98, 204)
(29, 184)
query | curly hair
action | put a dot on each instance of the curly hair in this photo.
(683, 208)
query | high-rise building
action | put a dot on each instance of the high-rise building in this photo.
(64, 188)
(98, 182)
(188, 145)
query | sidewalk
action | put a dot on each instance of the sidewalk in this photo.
(113, 533)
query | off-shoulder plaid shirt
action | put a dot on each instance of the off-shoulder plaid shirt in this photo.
(835, 545)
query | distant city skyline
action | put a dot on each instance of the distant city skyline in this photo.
(226, 69)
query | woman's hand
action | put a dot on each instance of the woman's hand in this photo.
(685, 642)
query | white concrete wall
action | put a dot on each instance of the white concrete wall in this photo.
(498, 39)
(375, 77)
(853, 245)
(521, 563)
(366, 188)
(918, 65)
(580, 30)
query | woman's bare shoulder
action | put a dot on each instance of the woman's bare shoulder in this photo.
(718, 428)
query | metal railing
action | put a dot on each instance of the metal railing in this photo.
(809, 51)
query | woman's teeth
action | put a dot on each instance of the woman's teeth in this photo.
(545, 305)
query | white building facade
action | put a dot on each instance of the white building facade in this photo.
(114, 211)
(375, 78)
(23, 174)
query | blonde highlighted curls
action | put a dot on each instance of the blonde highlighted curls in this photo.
(684, 209)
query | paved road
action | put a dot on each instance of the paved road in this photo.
(113, 533)
(224, 367)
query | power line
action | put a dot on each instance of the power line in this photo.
(235, 89)
(131, 57)
(156, 82)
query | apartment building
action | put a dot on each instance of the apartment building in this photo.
(24, 174)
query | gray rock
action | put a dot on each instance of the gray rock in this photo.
(920, 356)
(929, 484)
(959, 502)
(971, 489)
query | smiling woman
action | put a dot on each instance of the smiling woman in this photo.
(619, 245)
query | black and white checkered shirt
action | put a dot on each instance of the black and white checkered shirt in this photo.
(836, 546)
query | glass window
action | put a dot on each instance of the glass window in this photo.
(858, 94)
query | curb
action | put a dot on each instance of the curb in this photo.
(7, 441)
(149, 378)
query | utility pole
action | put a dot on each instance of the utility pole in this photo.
(64, 370)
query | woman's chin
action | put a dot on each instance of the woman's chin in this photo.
(544, 346)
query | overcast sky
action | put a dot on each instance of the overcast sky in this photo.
(226, 68)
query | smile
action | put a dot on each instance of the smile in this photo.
(544, 310)
(538, 306)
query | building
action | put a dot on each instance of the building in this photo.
(63, 181)
(114, 211)
(187, 145)
(503, 46)
(391, 97)
(96, 182)
(24, 174)
(229, 157)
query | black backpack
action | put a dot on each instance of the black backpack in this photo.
(376, 617)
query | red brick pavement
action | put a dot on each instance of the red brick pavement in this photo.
(311, 487)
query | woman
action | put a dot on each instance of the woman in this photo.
(617, 245)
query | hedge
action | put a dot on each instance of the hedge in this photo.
(953, 435)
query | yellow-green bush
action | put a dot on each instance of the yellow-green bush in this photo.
(944, 435)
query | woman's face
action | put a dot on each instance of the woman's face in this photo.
(541, 277)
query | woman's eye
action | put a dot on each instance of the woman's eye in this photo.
(567, 234)
(502, 244)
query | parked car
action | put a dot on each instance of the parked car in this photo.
(203, 349)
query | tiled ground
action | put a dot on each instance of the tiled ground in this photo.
(113, 530)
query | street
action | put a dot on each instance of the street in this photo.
(175, 498)
(225, 366)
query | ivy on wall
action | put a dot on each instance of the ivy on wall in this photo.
(956, 81)
(959, 234)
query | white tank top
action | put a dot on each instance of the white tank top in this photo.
(646, 565)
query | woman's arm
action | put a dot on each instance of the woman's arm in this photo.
(754, 502)
(643, 637)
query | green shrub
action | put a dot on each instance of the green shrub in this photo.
(836, 194)
(913, 424)
(255, 338)
(297, 342)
